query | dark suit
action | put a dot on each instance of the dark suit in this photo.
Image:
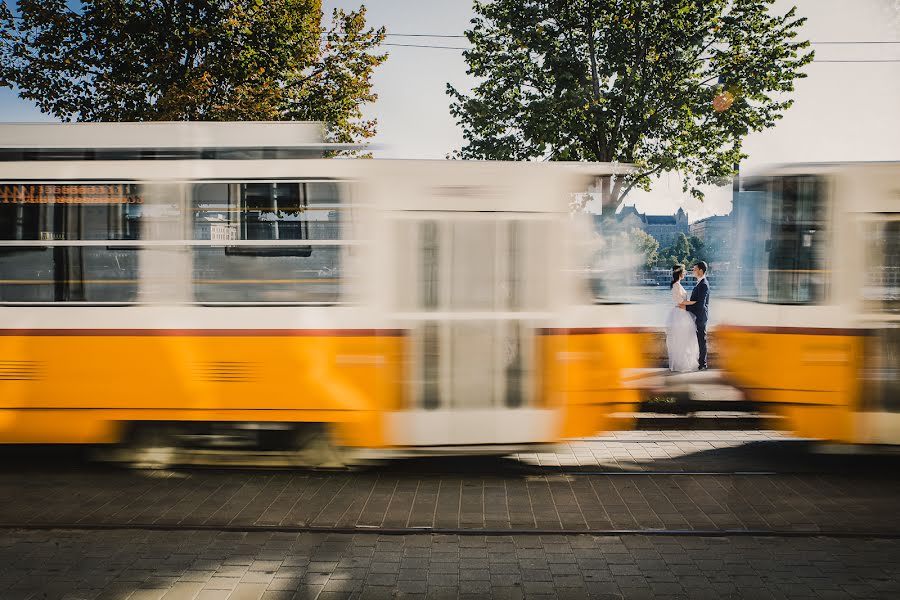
(700, 310)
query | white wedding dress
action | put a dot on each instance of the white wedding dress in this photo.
(681, 334)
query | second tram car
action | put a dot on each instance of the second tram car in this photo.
(206, 285)
(814, 335)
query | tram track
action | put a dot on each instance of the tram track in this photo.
(458, 531)
(597, 473)
(510, 471)
(515, 500)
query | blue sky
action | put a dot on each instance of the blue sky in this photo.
(843, 111)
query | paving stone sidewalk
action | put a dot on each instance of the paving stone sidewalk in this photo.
(494, 495)
(135, 565)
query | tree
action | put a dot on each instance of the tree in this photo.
(149, 60)
(681, 250)
(665, 85)
(645, 245)
(699, 249)
(684, 250)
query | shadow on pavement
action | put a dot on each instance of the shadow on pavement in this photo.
(776, 456)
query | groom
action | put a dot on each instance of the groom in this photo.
(699, 306)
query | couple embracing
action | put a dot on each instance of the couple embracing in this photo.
(686, 325)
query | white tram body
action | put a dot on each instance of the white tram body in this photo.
(197, 278)
(814, 335)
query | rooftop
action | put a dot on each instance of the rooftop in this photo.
(161, 140)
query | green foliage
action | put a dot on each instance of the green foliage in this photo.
(150, 60)
(625, 251)
(699, 249)
(685, 250)
(630, 81)
(336, 89)
(645, 245)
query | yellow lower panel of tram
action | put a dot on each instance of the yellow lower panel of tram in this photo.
(810, 377)
(583, 376)
(84, 386)
(79, 386)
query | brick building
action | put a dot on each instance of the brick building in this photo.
(663, 228)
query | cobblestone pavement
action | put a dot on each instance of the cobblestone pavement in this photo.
(619, 494)
(205, 565)
(827, 526)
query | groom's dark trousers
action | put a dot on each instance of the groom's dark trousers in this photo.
(700, 309)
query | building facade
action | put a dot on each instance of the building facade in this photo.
(717, 233)
(663, 228)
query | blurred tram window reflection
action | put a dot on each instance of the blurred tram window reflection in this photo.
(782, 250)
(70, 218)
(610, 274)
(475, 276)
(303, 211)
(311, 276)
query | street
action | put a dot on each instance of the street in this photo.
(629, 515)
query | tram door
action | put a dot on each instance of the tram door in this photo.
(881, 305)
(472, 286)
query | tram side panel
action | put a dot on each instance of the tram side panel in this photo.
(74, 379)
(583, 376)
(72, 372)
(808, 377)
(817, 249)
(81, 386)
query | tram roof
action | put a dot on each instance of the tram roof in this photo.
(163, 140)
(813, 168)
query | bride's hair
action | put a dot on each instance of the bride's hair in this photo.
(677, 272)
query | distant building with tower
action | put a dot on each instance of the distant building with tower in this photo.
(663, 228)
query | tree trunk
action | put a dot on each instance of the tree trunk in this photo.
(610, 191)
(605, 192)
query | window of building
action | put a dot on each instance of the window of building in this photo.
(49, 234)
(298, 225)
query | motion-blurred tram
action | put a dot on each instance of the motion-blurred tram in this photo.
(814, 335)
(202, 285)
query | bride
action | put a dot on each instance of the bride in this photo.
(681, 331)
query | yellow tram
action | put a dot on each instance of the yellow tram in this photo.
(203, 284)
(814, 335)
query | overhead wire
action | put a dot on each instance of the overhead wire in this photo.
(815, 43)
(461, 48)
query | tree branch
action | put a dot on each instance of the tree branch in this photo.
(626, 87)
(299, 82)
(636, 179)
(595, 79)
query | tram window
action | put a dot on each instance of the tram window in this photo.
(68, 274)
(609, 274)
(881, 292)
(474, 277)
(529, 265)
(27, 274)
(267, 212)
(782, 242)
(429, 265)
(69, 212)
(222, 277)
(58, 212)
